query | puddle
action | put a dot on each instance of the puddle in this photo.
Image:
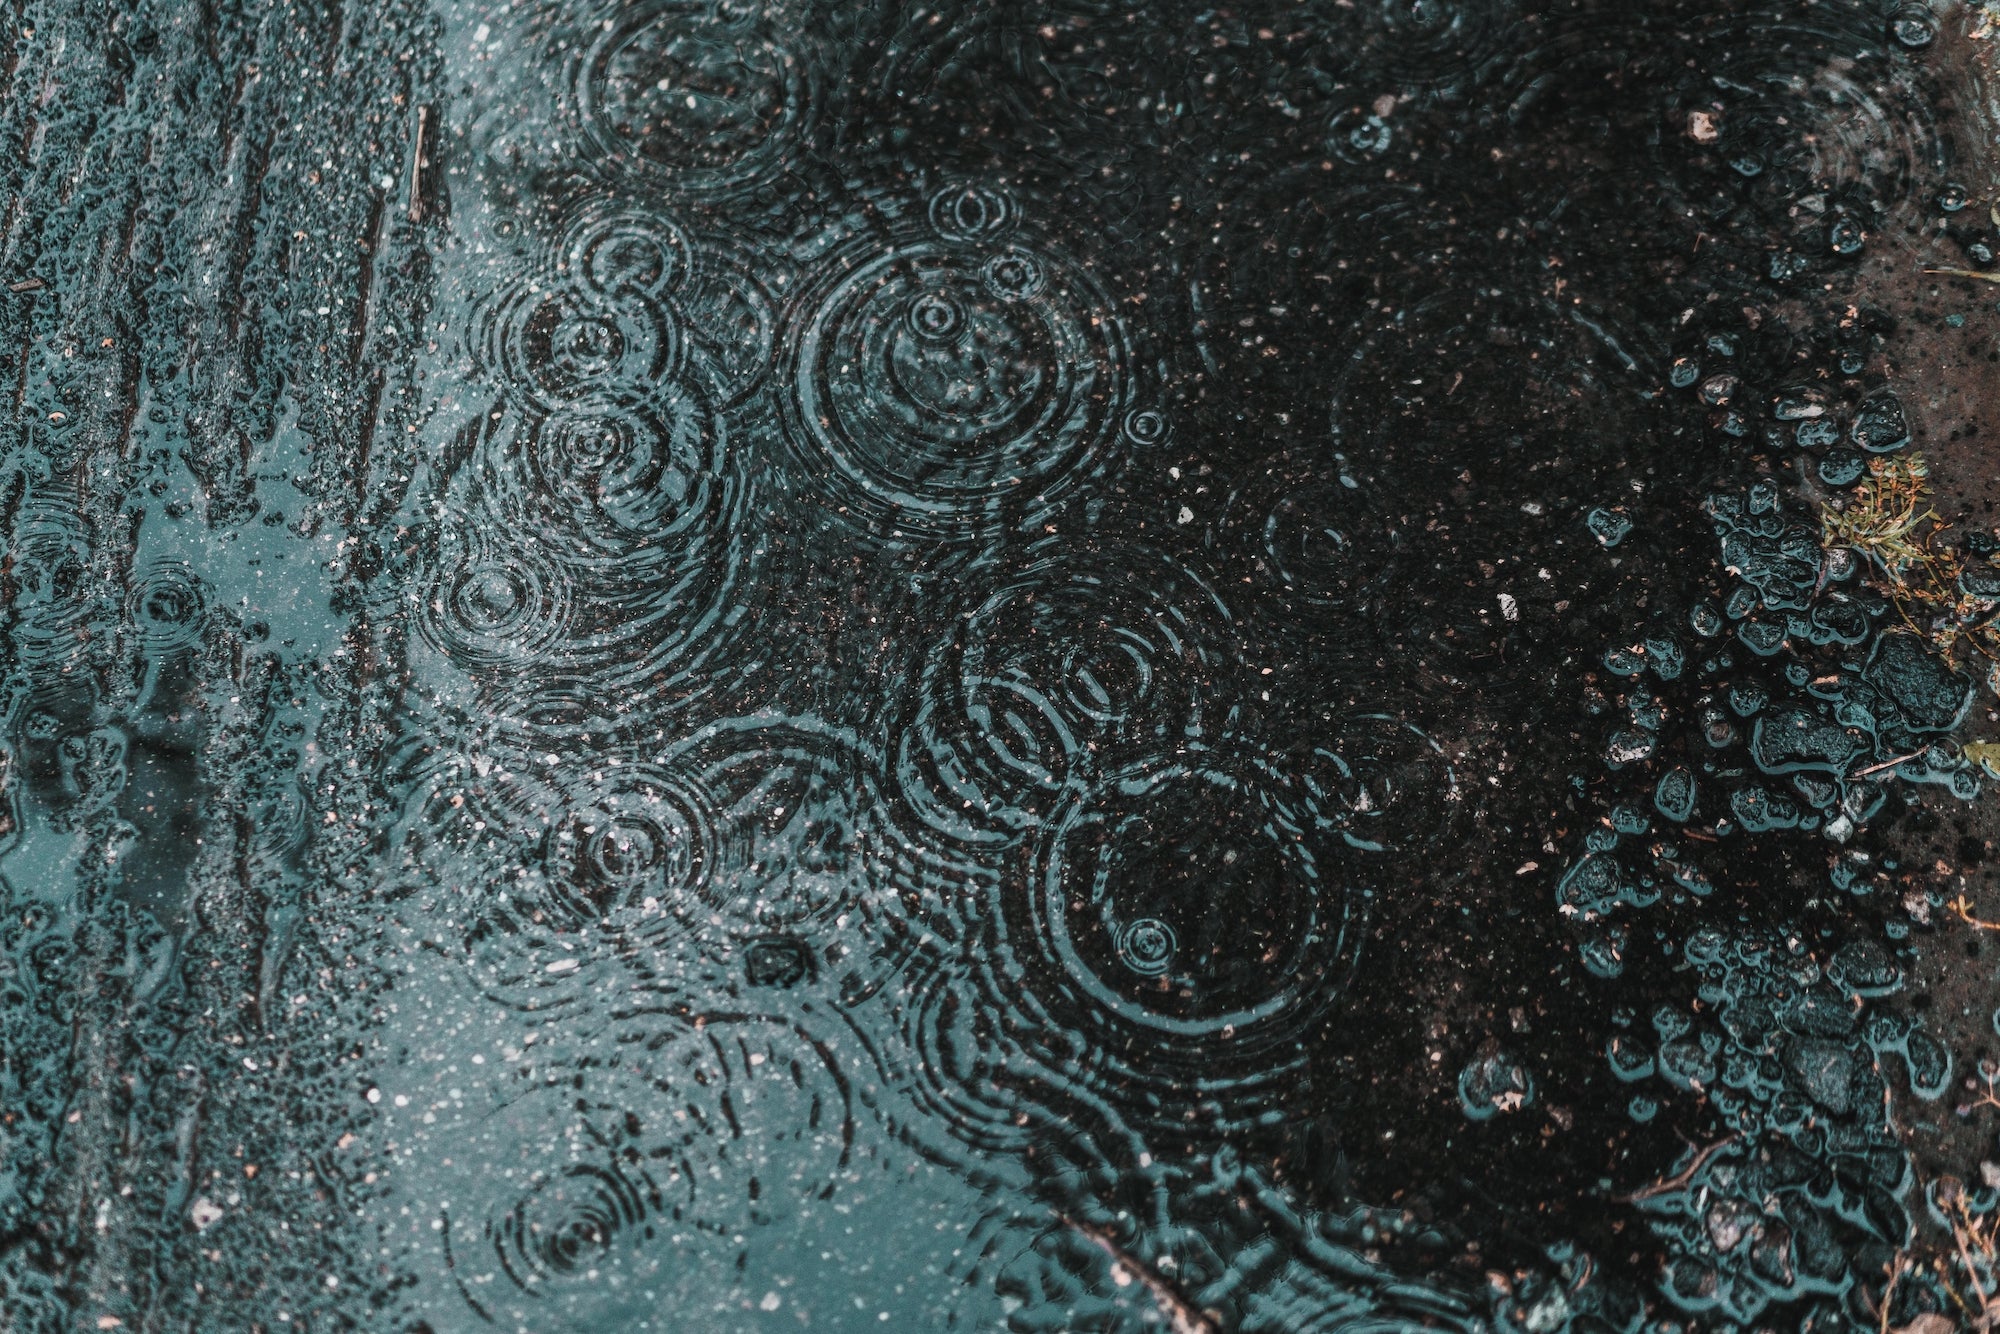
(727, 665)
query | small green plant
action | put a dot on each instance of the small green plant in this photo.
(1884, 520)
(1888, 524)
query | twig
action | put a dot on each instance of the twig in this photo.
(1963, 907)
(1182, 1317)
(415, 206)
(1895, 1268)
(1971, 1274)
(1952, 1293)
(1990, 1075)
(1886, 764)
(1888, 1101)
(1967, 273)
(1682, 1177)
(27, 285)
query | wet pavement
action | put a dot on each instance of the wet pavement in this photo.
(698, 665)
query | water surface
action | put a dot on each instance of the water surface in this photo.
(701, 665)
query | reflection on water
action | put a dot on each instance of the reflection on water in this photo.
(730, 665)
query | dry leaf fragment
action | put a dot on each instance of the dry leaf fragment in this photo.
(1985, 754)
(1930, 1322)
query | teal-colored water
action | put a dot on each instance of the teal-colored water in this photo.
(696, 665)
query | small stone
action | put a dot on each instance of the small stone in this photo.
(1493, 1083)
(1607, 527)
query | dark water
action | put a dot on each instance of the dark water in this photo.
(1045, 666)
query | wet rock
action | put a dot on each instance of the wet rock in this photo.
(1794, 739)
(1674, 795)
(1926, 694)
(1825, 1070)
(1879, 426)
(1494, 1082)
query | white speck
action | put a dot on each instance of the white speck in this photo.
(1510, 608)
(1185, 516)
(772, 1301)
(1532, 507)
(481, 33)
(373, 1095)
(402, 1100)
(564, 965)
(204, 1212)
(1549, 1313)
